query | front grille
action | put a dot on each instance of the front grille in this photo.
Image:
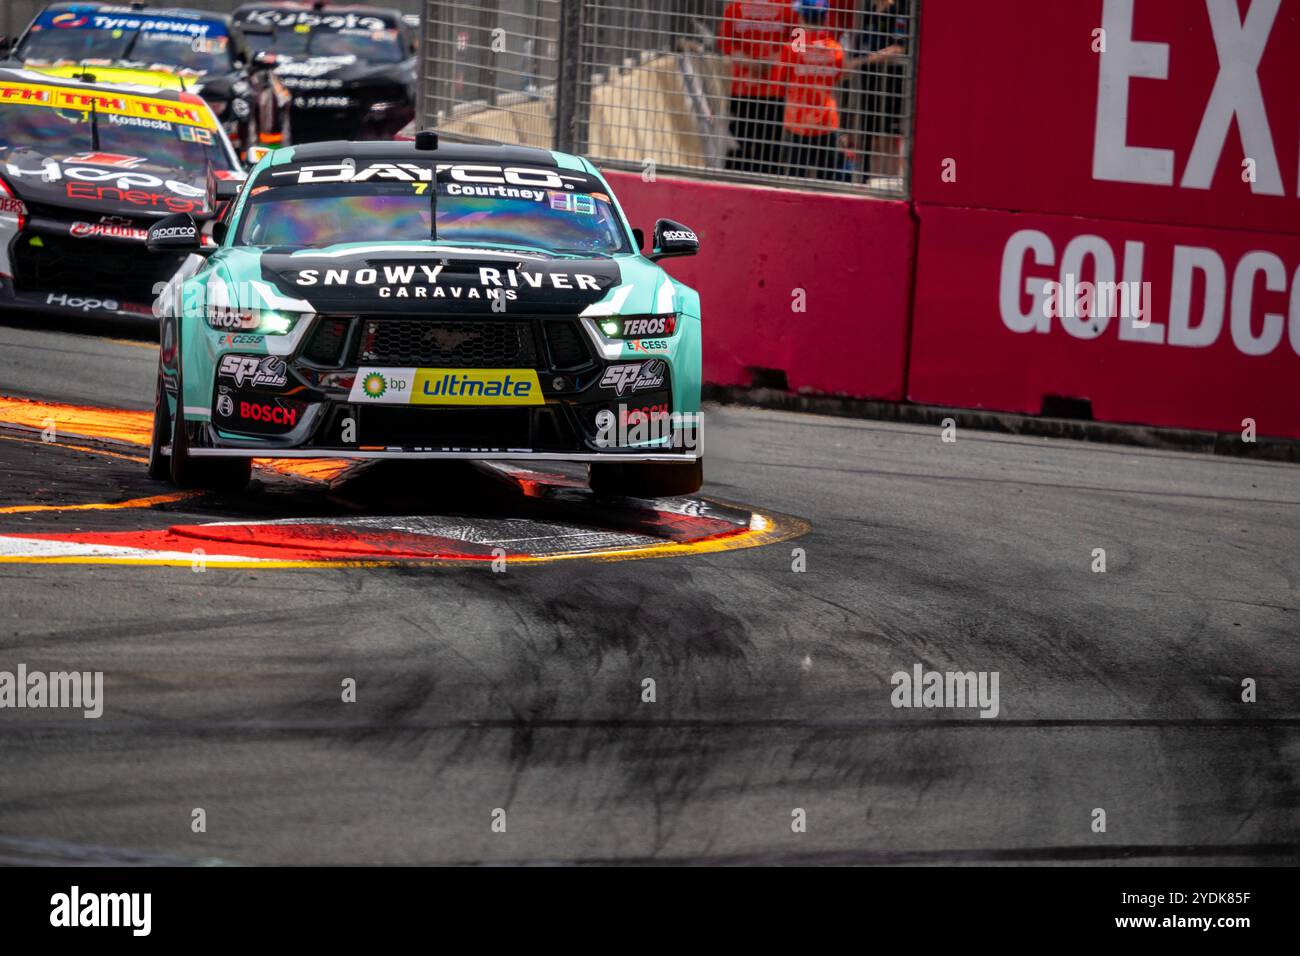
(568, 345)
(448, 344)
(118, 270)
(325, 346)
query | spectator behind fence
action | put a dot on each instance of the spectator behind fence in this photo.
(810, 66)
(882, 48)
(751, 37)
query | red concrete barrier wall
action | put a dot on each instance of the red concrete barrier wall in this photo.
(850, 256)
(1218, 340)
(1154, 129)
(1188, 119)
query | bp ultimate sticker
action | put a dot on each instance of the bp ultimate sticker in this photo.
(446, 386)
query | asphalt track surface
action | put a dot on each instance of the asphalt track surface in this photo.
(522, 690)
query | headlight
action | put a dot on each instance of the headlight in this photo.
(261, 321)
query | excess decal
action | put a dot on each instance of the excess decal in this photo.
(447, 386)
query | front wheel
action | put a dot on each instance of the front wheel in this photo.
(218, 474)
(160, 465)
(646, 479)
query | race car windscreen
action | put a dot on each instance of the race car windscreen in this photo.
(379, 46)
(61, 131)
(201, 54)
(196, 44)
(312, 216)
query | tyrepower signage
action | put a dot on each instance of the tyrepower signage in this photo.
(1171, 111)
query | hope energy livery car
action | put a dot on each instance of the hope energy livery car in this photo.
(85, 169)
(351, 69)
(391, 300)
(203, 52)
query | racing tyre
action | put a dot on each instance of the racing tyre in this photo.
(160, 465)
(216, 474)
(648, 480)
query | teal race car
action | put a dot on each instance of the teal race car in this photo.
(425, 300)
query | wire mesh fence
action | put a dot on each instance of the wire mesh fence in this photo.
(816, 92)
(489, 69)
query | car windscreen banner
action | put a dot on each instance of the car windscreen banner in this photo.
(292, 19)
(129, 23)
(103, 102)
(485, 179)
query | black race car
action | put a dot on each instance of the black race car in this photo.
(203, 53)
(85, 169)
(351, 69)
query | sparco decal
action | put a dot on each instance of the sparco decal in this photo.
(634, 377)
(268, 372)
(173, 232)
(679, 235)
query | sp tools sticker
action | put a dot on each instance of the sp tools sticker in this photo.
(635, 377)
(269, 372)
(447, 386)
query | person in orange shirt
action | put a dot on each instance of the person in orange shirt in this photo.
(751, 36)
(809, 67)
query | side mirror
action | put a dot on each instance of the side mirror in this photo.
(227, 189)
(177, 233)
(673, 239)
(638, 236)
(6, 44)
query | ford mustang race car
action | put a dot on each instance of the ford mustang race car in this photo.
(84, 170)
(351, 69)
(203, 52)
(416, 300)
